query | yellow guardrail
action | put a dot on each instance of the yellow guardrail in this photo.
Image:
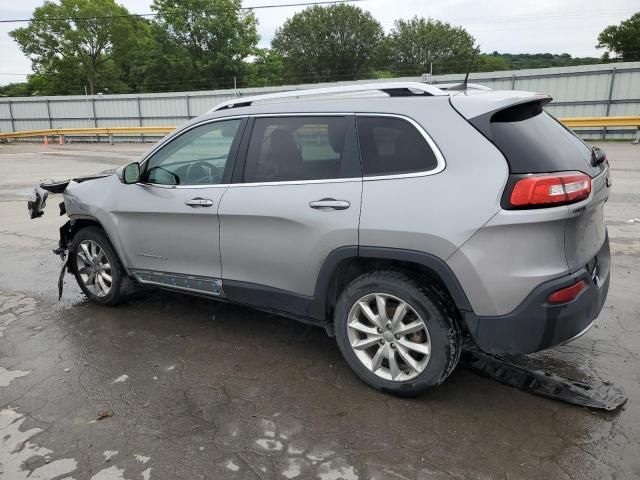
(56, 132)
(571, 122)
(578, 122)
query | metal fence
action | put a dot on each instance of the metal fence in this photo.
(588, 90)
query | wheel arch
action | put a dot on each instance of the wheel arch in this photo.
(346, 263)
(77, 223)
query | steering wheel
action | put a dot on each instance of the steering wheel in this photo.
(203, 172)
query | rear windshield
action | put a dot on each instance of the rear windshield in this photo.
(535, 142)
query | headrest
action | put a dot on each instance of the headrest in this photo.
(336, 131)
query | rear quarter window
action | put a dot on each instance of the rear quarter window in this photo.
(391, 146)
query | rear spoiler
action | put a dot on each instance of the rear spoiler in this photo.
(474, 103)
(479, 109)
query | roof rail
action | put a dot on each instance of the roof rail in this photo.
(470, 86)
(393, 89)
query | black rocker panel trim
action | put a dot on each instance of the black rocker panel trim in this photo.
(261, 296)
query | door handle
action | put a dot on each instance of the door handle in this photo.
(199, 202)
(330, 204)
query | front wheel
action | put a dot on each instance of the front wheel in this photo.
(398, 335)
(97, 268)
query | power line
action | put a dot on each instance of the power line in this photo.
(408, 69)
(452, 62)
(489, 20)
(143, 15)
(291, 79)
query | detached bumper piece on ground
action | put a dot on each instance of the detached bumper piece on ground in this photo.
(595, 394)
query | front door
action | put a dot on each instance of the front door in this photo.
(168, 223)
(296, 201)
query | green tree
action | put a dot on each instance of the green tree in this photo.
(623, 39)
(519, 61)
(413, 44)
(340, 42)
(200, 43)
(265, 69)
(162, 65)
(15, 90)
(490, 63)
(68, 44)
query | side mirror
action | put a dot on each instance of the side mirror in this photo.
(129, 173)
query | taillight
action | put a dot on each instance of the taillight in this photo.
(565, 295)
(550, 189)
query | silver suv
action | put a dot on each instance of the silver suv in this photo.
(404, 218)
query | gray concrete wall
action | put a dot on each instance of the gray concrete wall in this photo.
(588, 90)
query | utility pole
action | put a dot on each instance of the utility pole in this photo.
(88, 106)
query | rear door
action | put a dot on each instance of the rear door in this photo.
(168, 223)
(296, 200)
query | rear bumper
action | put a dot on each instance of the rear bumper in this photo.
(535, 324)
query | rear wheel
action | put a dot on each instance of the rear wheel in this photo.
(398, 335)
(97, 267)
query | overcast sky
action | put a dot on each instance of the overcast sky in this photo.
(513, 26)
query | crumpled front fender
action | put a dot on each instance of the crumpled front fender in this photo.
(41, 192)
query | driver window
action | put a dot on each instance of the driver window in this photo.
(197, 157)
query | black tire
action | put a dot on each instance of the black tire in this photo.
(435, 308)
(121, 285)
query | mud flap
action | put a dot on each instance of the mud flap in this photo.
(595, 394)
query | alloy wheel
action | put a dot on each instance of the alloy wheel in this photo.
(94, 268)
(389, 337)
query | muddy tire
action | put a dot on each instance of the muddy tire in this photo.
(398, 334)
(97, 268)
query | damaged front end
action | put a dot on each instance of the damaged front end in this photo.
(41, 192)
(36, 208)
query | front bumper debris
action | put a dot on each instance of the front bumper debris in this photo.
(36, 206)
(63, 253)
(61, 277)
(36, 209)
(40, 193)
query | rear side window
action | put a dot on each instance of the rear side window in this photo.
(535, 142)
(301, 148)
(392, 146)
